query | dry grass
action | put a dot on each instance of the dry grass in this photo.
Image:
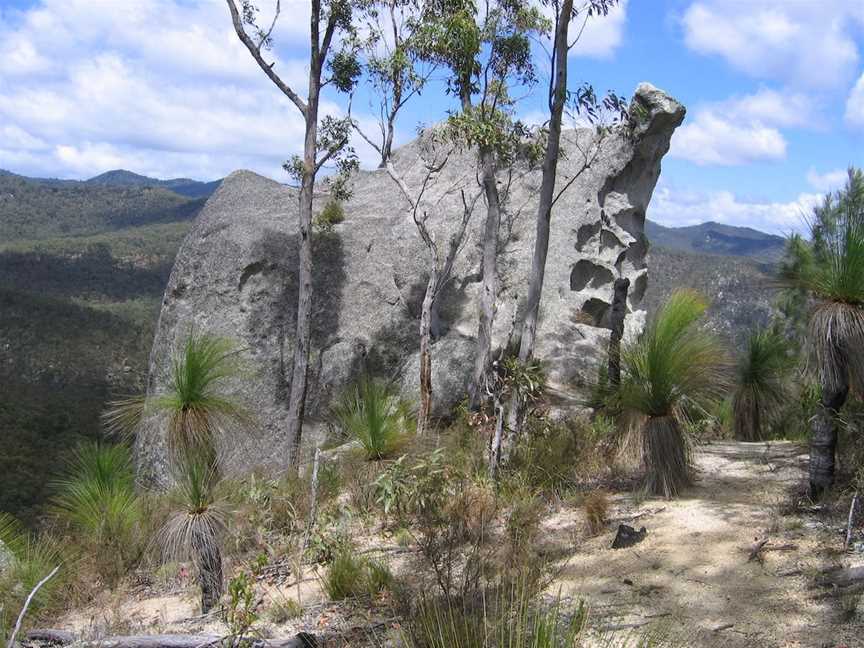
(596, 507)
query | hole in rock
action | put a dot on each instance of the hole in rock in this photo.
(587, 272)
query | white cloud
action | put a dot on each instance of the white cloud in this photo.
(743, 129)
(678, 208)
(597, 36)
(828, 181)
(602, 34)
(805, 43)
(158, 86)
(855, 105)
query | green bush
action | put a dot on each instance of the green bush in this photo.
(97, 497)
(372, 413)
(350, 575)
(331, 215)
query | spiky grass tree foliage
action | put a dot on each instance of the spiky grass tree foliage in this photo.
(25, 560)
(196, 526)
(198, 417)
(374, 414)
(674, 368)
(97, 497)
(760, 383)
(831, 270)
(196, 412)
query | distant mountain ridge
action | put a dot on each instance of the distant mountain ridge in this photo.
(717, 238)
(123, 178)
(183, 186)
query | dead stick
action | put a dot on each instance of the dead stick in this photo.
(754, 552)
(29, 600)
(723, 627)
(849, 523)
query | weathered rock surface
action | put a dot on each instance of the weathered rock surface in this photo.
(235, 276)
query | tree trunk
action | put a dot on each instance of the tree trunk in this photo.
(544, 208)
(426, 356)
(208, 560)
(489, 294)
(300, 365)
(618, 313)
(495, 445)
(823, 438)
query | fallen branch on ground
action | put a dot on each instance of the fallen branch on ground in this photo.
(302, 640)
(27, 603)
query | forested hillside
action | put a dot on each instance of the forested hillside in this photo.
(82, 270)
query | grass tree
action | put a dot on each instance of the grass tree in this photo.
(97, 497)
(760, 382)
(196, 525)
(198, 416)
(332, 62)
(830, 269)
(28, 565)
(673, 369)
(374, 414)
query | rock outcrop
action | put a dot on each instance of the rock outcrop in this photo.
(235, 276)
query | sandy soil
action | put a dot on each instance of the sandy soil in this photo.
(690, 577)
(691, 574)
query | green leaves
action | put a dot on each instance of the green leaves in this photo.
(831, 267)
(375, 415)
(675, 363)
(97, 495)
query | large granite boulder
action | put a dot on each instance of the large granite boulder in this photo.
(235, 276)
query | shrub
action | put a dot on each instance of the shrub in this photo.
(372, 413)
(596, 506)
(241, 609)
(284, 610)
(97, 497)
(350, 575)
(331, 215)
(552, 455)
(24, 561)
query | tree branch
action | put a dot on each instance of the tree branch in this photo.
(255, 51)
(11, 643)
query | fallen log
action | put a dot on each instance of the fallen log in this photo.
(50, 636)
(60, 637)
(840, 577)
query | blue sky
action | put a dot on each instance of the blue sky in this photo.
(774, 91)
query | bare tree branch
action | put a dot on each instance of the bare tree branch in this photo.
(11, 642)
(255, 51)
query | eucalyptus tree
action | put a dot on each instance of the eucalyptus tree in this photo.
(585, 100)
(392, 66)
(332, 62)
(486, 49)
(830, 269)
(435, 153)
